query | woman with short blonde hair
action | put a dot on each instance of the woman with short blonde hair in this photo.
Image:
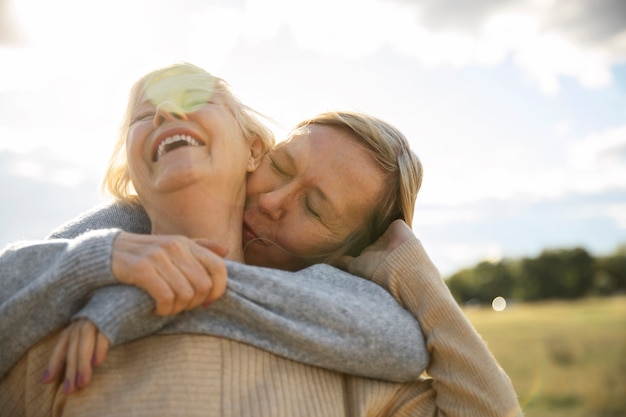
(392, 152)
(117, 179)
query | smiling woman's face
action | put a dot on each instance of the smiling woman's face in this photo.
(182, 135)
(307, 196)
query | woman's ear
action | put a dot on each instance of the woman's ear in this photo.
(257, 150)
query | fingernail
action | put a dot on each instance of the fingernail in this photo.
(66, 386)
(79, 380)
(206, 304)
(93, 360)
(45, 376)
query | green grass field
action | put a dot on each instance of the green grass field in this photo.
(564, 358)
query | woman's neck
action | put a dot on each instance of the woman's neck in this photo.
(201, 215)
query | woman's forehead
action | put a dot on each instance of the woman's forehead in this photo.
(313, 135)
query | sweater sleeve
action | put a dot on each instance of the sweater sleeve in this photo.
(320, 316)
(466, 379)
(133, 219)
(40, 287)
(43, 283)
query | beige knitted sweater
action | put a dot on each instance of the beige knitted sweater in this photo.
(193, 375)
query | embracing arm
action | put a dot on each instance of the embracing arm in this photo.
(40, 287)
(320, 316)
(366, 334)
(43, 283)
(133, 219)
(466, 379)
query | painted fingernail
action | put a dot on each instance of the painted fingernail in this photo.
(66, 386)
(79, 380)
(45, 376)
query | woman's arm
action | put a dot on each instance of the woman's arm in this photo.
(466, 379)
(43, 283)
(133, 219)
(317, 316)
(320, 316)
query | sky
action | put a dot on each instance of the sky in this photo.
(516, 108)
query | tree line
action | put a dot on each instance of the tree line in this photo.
(554, 274)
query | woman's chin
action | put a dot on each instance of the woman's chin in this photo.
(179, 175)
(179, 181)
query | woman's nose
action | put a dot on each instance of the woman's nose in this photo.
(168, 110)
(274, 203)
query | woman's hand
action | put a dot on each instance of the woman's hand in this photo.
(366, 264)
(178, 272)
(79, 347)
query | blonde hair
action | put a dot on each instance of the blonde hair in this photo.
(117, 180)
(403, 174)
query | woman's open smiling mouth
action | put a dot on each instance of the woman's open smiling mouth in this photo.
(174, 142)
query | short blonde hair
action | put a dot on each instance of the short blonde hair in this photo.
(117, 180)
(403, 179)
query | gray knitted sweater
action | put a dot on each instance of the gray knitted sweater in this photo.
(321, 316)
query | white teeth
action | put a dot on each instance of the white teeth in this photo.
(173, 139)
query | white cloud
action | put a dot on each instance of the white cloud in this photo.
(81, 152)
(446, 215)
(503, 33)
(542, 42)
(549, 168)
(27, 168)
(548, 56)
(213, 34)
(265, 18)
(20, 70)
(595, 163)
(587, 211)
(527, 31)
(545, 56)
(124, 39)
(562, 128)
(47, 172)
(452, 256)
(600, 159)
(17, 140)
(323, 27)
(618, 213)
(591, 165)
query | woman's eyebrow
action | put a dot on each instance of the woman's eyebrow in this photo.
(146, 102)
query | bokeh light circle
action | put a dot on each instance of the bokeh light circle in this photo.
(498, 304)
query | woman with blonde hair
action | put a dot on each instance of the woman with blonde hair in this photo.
(391, 161)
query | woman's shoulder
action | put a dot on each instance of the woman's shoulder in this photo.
(130, 218)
